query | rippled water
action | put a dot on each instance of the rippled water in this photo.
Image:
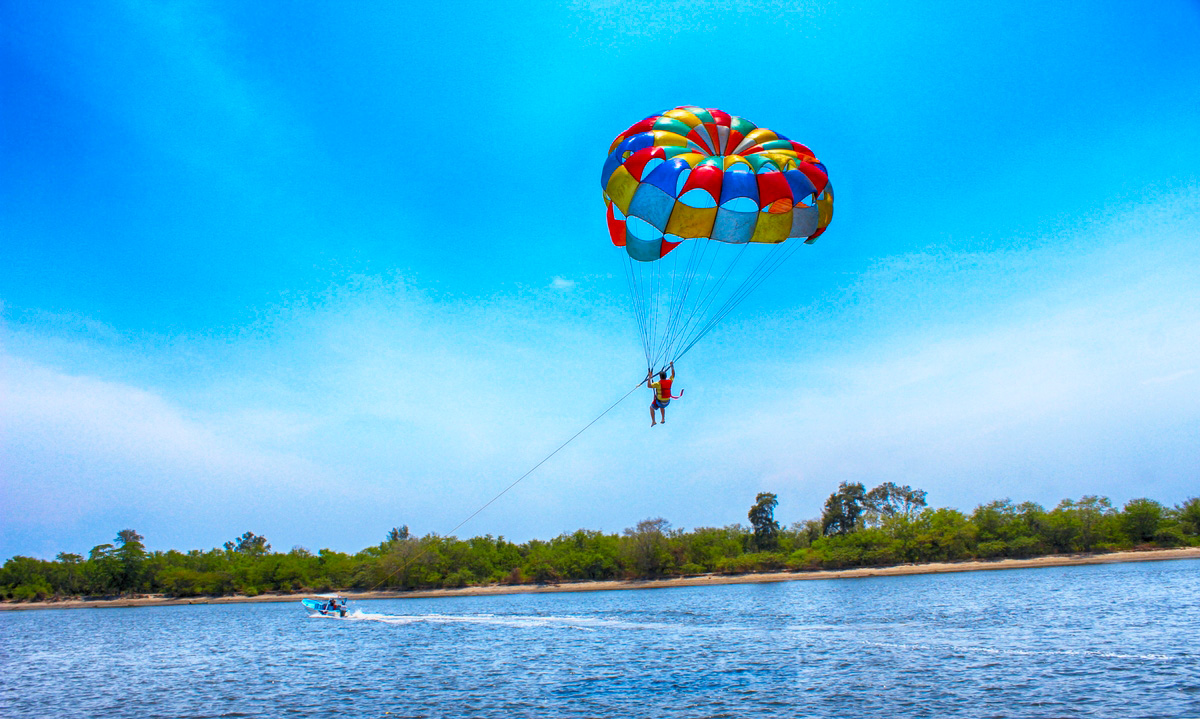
(1107, 641)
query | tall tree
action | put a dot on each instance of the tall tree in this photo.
(70, 571)
(102, 569)
(131, 554)
(843, 509)
(1141, 519)
(1189, 516)
(890, 499)
(762, 518)
(249, 544)
(649, 551)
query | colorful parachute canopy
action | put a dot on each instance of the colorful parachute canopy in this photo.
(728, 186)
(693, 172)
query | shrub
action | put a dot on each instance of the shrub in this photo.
(838, 557)
(757, 562)
(543, 572)
(36, 590)
(1170, 537)
(1025, 547)
(993, 549)
(461, 578)
(1141, 519)
(803, 559)
(768, 561)
(1189, 516)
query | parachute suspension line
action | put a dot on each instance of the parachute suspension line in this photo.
(654, 282)
(694, 265)
(517, 481)
(670, 294)
(679, 285)
(706, 323)
(698, 255)
(701, 299)
(643, 306)
(677, 303)
(637, 306)
(770, 261)
(700, 310)
(758, 276)
(647, 300)
(778, 257)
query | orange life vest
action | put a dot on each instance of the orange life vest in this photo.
(664, 388)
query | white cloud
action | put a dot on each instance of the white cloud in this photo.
(1170, 378)
(333, 420)
(561, 283)
(77, 449)
(329, 423)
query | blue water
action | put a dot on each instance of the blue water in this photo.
(1107, 641)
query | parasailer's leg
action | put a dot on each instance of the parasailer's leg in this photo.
(661, 406)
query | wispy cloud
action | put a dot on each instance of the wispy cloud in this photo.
(1170, 378)
(378, 398)
(336, 417)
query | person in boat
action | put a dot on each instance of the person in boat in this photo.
(334, 607)
(662, 393)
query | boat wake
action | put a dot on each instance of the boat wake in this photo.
(586, 624)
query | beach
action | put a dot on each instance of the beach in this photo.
(1057, 560)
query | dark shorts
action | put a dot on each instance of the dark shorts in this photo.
(659, 403)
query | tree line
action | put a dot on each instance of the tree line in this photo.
(887, 525)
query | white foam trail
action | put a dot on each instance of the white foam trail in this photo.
(587, 624)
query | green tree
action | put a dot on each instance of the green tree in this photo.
(762, 518)
(843, 508)
(889, 500)
(707, 547)
(1081, 526)
(27, 578)
(647, 548)
(1188, 514)
(102, 570)
(70, 580)
(130, 553)
(1141, 519)
(249, 544)
(940, 535)
(997, 525)
(1098, 521)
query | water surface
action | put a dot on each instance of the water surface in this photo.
(1115, 640)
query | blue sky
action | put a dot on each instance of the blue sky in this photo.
(315, 271)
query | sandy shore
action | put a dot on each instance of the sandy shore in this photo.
(1059, 560)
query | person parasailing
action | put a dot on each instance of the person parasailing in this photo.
(662, 392)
